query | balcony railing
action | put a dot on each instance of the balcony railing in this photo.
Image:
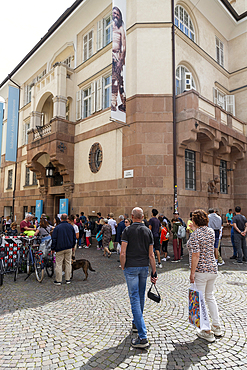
(42, 131)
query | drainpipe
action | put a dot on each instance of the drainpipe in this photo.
(13, 202)
(174, 111)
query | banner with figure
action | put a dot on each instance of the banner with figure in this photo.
(39, 209)
(118, 100)
(1, 129)
(12, 124)
(64, 206)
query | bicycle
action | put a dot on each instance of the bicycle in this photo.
(34, 260)
(45, 247)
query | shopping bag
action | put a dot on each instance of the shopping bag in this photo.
(98, 237)
(198, 315)
(111, 246)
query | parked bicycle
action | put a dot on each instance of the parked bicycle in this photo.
(32, 257)
(10, 254)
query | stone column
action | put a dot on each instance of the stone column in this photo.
(35, 119)
(59, 106)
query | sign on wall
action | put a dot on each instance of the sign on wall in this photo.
(39, 209)
(64, 206)
(12, 124)
(118, 101)
(1, 128)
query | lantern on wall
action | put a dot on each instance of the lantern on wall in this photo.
(49, 170)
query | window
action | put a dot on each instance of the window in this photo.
(27, 177)
(28, 93)
(184, 80)
(190, 170)
(68, 61)
(107, 92)
(10, 179)
(26, 127)
(226, 102)
(88, 45)
(87, 102)
(219, 51)
(35, 181)
(223, 177)
(67, 110)
(104, 32)
(25, 211)
(33, 209)
(184, 22)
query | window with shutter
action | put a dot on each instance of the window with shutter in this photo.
(78, 105)
(230, 104)
(99, 94)
(92, 97)
(219, 51)
(100, 34)
(107, 91)
(184, 80)
(87, 98)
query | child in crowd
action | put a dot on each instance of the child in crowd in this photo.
(164, 238)
(88, 235)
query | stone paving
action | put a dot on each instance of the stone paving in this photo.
(86, 325)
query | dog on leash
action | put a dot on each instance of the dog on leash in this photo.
(84, 264)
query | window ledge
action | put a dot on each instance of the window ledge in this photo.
(9, 188)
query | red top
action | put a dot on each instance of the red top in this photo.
(24, 224)
(163, 235)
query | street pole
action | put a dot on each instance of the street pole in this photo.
(174, 111)
(13, 202)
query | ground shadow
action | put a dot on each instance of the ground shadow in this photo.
(112, 357)
(186, 354)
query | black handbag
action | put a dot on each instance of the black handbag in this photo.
(155, 297)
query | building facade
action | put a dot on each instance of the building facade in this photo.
(65, 105)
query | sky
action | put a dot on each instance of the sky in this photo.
(23, 23)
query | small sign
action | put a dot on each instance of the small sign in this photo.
(129, 173)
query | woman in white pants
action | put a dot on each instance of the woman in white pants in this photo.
(204, 268)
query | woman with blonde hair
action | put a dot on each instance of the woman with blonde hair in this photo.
(204, 268)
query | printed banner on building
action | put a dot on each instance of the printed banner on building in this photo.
(1, 129)
(64, 206)
(118, 100)
(12, 124)
(39, 209)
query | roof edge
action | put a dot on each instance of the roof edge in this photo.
(51, 30)
(233, 12)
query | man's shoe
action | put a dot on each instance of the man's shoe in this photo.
(233, 257)
(216, 330)
(221, 263)
(57, 282)
(237, 262)
(139, 343)
(207, 336)
(67, 281)
(174, 261)
(160, 265)
(134, 328)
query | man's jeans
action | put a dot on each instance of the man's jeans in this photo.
(240, 244)
(136, 278)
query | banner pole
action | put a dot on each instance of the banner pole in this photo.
(13, 202)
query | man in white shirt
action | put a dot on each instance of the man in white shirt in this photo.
(113, 225)
(215, 222)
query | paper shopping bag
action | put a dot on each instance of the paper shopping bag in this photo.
(198, 315)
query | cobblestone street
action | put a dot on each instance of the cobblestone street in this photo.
(86, 325)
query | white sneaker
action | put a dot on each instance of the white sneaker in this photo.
(164, 259)
(160, 265)
(86, 247)
(217, 330)
(221, 263)
(207, 336)
(167, 257)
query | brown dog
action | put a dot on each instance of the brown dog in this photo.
(84, 264)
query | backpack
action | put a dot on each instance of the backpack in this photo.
(181, 232)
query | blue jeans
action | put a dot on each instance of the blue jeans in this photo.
(233, 244)
(136, 278)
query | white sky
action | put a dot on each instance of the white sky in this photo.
(23, 23)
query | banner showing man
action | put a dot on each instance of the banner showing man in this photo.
(118, 103)
(12, 124)
(1, 128)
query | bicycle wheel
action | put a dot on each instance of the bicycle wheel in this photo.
(29, 263)
(49, 266)
(1, 272)
(39, 268)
